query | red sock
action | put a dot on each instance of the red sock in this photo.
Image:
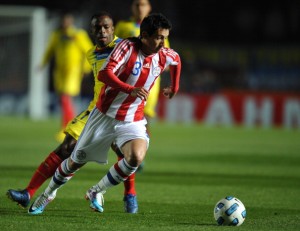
(68, 111)
(43, 172)
(129, 184)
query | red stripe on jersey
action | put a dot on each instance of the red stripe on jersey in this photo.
(130, 63)
(121, 114)
(142, 78)
(171, 53)
(98, 104)
(139, 113)
(145, 73)
(162, 60)
(124, 62)
(119, 171)
(121, 50)
(105, 99)
(117, 55)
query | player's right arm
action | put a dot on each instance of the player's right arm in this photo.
(107, 74)
(50, 49)
(108, 77)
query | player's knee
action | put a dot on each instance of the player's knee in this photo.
(115, 148)
(73, 166)
(136, 158)
(66, 148)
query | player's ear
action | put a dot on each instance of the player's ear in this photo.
(144, 35)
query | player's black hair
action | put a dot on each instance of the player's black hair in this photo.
(64, 12)
(153, 22)
(101, 14)
(132, 1)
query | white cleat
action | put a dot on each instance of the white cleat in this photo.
(96, 200)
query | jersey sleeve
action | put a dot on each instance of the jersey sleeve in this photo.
(174, 61)
(50, 49)
(121, 29)
(85, 44)
(117, 59)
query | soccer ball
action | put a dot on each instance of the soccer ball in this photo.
(230, 211)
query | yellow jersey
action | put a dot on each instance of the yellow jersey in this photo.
(68, 50)
(96, 57)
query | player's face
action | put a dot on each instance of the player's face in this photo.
(152, 44)
(102, 30)
(67, 21)
(140, 9)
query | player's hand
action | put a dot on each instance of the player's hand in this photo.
(140, 92)
(167, 92)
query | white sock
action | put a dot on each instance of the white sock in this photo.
(61, 176)
(117, 173)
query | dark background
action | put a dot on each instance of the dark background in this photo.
(224, 45)
(213, 21)
(229, 45)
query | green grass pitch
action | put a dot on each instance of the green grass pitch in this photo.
(188, 168)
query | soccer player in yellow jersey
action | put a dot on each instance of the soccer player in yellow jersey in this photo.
(68, 46)
(102, 30)
(131, 28)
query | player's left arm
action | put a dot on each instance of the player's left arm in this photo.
(175, 70)
(167, 45)
(175, 78)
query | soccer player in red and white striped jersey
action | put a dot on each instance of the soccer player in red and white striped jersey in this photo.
(128, 74)
(141, 71)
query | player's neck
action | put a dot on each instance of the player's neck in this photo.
(146, 52)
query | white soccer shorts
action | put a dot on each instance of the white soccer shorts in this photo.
(100, 132)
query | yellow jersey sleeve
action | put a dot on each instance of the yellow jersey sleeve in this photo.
(50, 48)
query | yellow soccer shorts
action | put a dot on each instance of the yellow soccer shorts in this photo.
(75, 126)
(150, 107)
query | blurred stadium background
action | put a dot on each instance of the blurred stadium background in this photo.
(241, 59)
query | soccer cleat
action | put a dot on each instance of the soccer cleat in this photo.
(40, 204)
(96, 200)
(22, 197)
(130, 203)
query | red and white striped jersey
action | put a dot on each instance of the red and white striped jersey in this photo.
(131, 66)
